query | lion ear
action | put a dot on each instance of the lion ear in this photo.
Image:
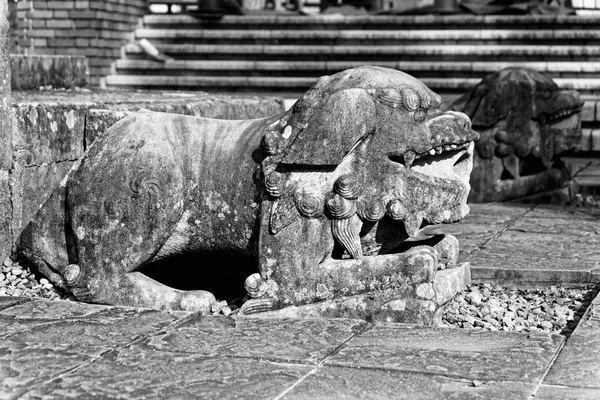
(341, 121)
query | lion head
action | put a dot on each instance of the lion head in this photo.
(525, 122)
(358, 166)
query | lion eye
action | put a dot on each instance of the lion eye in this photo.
(391, 97)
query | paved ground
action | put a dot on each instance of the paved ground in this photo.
(61, 349)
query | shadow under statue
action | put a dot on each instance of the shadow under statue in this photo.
(332, 198)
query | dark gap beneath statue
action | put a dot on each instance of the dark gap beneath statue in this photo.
(220, 272)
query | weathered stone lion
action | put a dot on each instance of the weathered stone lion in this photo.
(525, 122)
(329, 197)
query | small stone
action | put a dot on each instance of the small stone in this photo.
(218, 306)
(8, 262)
(474, 298)
(226, 311)
(43, 281)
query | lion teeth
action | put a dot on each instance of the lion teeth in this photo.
(453, 146)
(432, 152)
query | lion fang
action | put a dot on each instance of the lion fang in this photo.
(346, 232)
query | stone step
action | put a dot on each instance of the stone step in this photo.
(556, 69)
(379, 53)
(301, 36)
(377, 22)
(301, 84)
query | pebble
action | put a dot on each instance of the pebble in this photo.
(483, 306)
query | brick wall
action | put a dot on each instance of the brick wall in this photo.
(93, 28)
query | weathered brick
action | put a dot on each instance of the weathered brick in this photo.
(37, 14)
(61, 5)
(61, 42)
(81, 4)
(60, 23)
(41, 33)
(58, 14)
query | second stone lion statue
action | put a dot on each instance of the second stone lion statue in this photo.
(525, 122)
(330, 198)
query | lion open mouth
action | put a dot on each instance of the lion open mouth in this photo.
(451, 163)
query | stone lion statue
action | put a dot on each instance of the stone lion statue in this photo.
(525, 122)
(330, 198)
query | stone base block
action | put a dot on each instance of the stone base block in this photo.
(420, 305)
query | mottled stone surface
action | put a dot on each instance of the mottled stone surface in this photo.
(521, 243)
(329, 198)
(578, 364)
(524, 121)
(6, 212)
(366, 383)
(5, 120)
(25, 365)
(49, 310)
(411, 305)
(548, 392)
(48, 132)
(60, 349)
(30, 72)
(111, 327)
(5, 136)
(52, 129)
(34, 184)
(132, 374)
(6, 302)
(280, 340)
(472, 354)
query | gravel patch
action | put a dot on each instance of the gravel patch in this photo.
(18, 280)
(495, 308)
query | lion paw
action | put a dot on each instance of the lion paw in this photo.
(199, 301)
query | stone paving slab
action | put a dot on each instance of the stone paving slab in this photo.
(25, 365)
(86, 351)
(289, 340)
(579, 364)
(523, 244)
(547, 392)
(364, 383)
(131, 374)
(471, 354)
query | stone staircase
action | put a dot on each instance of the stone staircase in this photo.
(286, 53)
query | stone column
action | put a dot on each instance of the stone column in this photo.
(5, 136)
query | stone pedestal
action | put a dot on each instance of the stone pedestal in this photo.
(421, 304)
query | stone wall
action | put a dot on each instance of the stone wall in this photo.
(93, 28)
(5, 136)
